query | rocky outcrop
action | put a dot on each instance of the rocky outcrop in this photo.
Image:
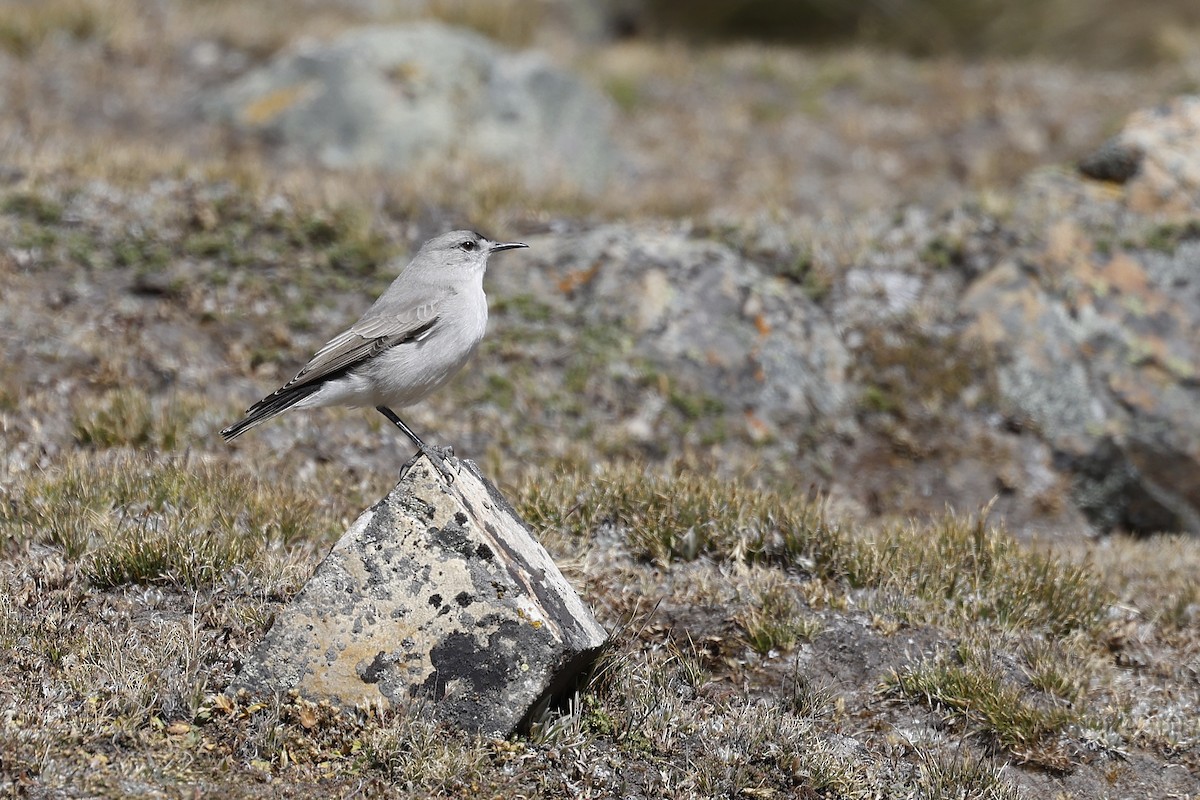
(401, 97)
(439, 600)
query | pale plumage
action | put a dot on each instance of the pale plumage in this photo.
(410, 342)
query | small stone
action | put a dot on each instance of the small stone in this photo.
(1113, 161)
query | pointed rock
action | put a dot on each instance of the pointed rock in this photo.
(438, 599)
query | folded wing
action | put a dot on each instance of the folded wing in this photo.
(366, 339)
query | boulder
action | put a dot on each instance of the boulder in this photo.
(439, 600)
(727, 335)
(401, 97)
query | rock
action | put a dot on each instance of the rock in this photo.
(438, 599)
(727, 334)
(1115, 161)
(1157, 157)
(400, 97)
(1099, 351)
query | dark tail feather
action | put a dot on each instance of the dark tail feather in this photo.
(268, 407)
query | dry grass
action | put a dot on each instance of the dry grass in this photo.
(142, 519)
(128, 418)
(108, 528)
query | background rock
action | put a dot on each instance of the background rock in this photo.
(731, 338)
(401, 97)
(1100, 352)
(1157, 156)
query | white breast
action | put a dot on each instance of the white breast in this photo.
(406, 373)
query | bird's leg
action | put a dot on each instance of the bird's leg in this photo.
(441, 457)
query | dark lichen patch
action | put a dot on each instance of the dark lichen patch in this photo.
(460, 658)
(464, 599)
(484, 552)
(453, 538)
(435, 600)
(375, 671)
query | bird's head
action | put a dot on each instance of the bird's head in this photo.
(461, 252)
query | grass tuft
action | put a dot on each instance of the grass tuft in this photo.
(969, 683)
(774, 620)
(682, 517)
(945, 777)
(126, 417)
(963, 572)
(967, 571)
(155, 519)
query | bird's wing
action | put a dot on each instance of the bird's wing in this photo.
(367, 338)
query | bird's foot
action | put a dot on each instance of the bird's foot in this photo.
(442, 458)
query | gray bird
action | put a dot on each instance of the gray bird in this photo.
(415, 337)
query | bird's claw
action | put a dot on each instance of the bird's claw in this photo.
(442, 458)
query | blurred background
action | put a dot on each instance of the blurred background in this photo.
(843, 245)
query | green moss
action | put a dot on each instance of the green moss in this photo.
(878, 400)
(716, 431)
(942, 252)
(34, 206)
(1166, 238)
(625, 92)
(500, 390)
(797, 269)
(317, 231)
(208, 244)
(141, 252)
(81, 249)
(596, 347)
(524, 306)
(35, 237)
(695, 406)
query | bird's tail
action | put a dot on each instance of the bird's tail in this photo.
(270, 406)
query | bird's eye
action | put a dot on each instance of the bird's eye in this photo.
(469, 245)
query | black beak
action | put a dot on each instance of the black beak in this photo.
(498, 246)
